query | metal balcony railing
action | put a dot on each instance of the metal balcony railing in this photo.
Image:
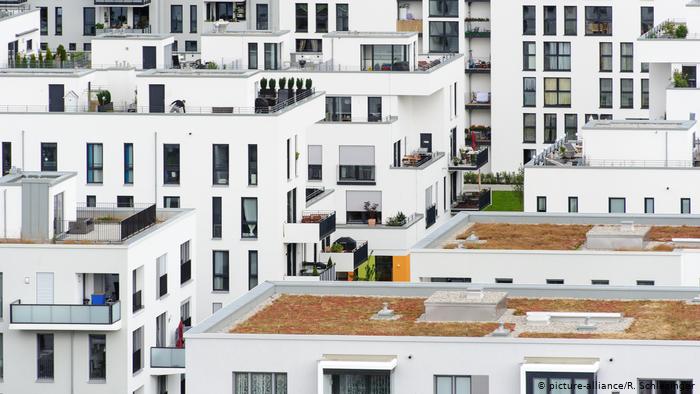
(325, 220)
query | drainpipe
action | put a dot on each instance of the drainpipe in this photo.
(155, 168)
(22, 150)
(72, 334)
(666, 150)
(4, 213)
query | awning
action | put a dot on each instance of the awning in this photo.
(561, 364)
(358, 361)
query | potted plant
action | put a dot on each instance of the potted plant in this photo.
(99, 26)
(48, 58)
(61, 54)
(300, 86)
(272, 87)
(104, 98)
(371, 209)
(283, 93)
(263, 87)
(290, 88)
(680, 80)
(681, 31)
(337, 248)
(398, 220)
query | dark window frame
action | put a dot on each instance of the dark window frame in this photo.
(58, 21)
(558, 55)
(301, 16)
(46, 148)
(626, 59)
(541, 203)
(574, 200)
(252, 164)
(626, 93)
(648, 200)
(549, 20)
(246, 222)
(220, 164)
(529, 20)
(176, 18)
(443, 8)
(529, 92)
(529, 130)
(89, 24)
(600, 19)
(571, 127)
(570, 24)
(624, 204)
(224, 274)
(444, 38)
(216, 217)
(560, 94)
(45, 360)
(644, 88)
(128, 163)
(605, 60)
(529, 57)
(605, 94)
(342, 17)
(193, 19)
(94, 168)
(171, 152)
(252, 56)
(550, 128)
(684, 200)
(253, 269)
(646, 23)
(322, 17)
(97, 371)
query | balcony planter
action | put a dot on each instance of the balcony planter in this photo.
(371, 222)
(104, 98)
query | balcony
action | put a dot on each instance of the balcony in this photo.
(418, 159)
(11, 2)
(668, 43)
(472, 201)
(105, 223)
(477, 28)
(410, 25)
(356, 175)
(469, 159)
(430, 216)
(478, 66)
(318, 270)
(478, 135)
(65, 317)
(346, 254)
(313, 227)
(167, 360)
(478, 100)
(123, 3)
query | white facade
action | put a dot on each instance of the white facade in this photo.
(19, 33)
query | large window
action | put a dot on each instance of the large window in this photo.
(262, 17)
(626, 57)
(550, 128)
(264, 383)
(252, 164)
(249, 217)
(363, 205)
(338, 109)
(128, 163)
(171, 164)
(193, 18)
(315, 160)
(252, 268)
(606, 93)
(384, 57)
(570, 126)
(627, 93)
(94, 163)
(570, 20)
(341, 17)
(137, 350)
(557, 92)
(529, 92)
(97, 344)
(321, 17)
(557, 56)
(88, 21)
(374, 109)
(271, 61)
(663, 386)
(452, 385)
(559, 382)
(550, 20)
(302, 17)
(645, 93)
(252, 55)
(598, 21)
(216, 217)
(44, 348)
(647, 19)
(49, 156)
(117, 17)
(444, 37)
(220, 164)
(529, 128)
(529, 20)
(356, 164)
(616, 205)
(220, 270)
(309, 45)
(444, 8)
(58, 21)
(529, 56)
(606, 56)
(44, 20)
(176, 19)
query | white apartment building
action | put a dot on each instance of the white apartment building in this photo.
(396, 340)
(15, 38)
(91, 297)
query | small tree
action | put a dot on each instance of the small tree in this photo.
(681, 31)
(308, 83)
(25, 63)
(518, 181)
(104, 97)
(300, 83)
(283, 83)
(61, 53)
(18, 60)
(32, 60)
(290, 84)
(49, 56)
(680, 80)
(212, 66)
(669, 29)
(273, 84)
(41, 59)
(263, 83)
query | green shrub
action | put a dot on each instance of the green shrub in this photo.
(337, 248)
(272, 84)
(681, 31)
(680, 80)
(283, 83)
(104, 97)
(263, 83)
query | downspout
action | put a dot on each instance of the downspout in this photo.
(72, 334)
(4, 213)
(666, 150)
(155, 168)
(22, 150)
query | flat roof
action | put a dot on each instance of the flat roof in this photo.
(20, 177)
(348, 308)
(249, 33)
(639, 125)
(370, 34)
(200, 73)
(45, 72)
(132, 36)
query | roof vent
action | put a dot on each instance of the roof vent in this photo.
(588, 325)
(464, 306)
(501, 331)
(472, 238)
(385, 313)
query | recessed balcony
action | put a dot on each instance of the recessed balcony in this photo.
(478, 100)
(477, 28)
(469, 159)
(65, 317)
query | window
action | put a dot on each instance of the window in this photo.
(193, 21)
(49, 156)
(355, 206)
(220, 270)
(44, 46)
(171, 164)
(541, 204)
(452, 384)
(252, 268)
(98, 356)
(647, 19)
(550, 20)
(384, 57)
(72, 46)
(220, 164)
(185, 262)
(442, 279)
(6, 157)
(94, 163)
(338, 109)
(309, 45)
(176, 19)
(91, 201)
(44, 370)
(185, 315)
(125, 201)
(557, 92)
(216, 217)
(88, 21)
(626, 57)
(2, 358)
(374, 109)
(529, 128)
(645, 283)
(670, 386)
(550, 128)
(252, 164)
(315, 160)
(504, 280)
(162, 275)
(58, 21)
(341, 17)
(44, 20)
(616, 205)
(573, 204)
(321, 17)
(252, 55)
(174, 48)
(0, 317)
(645, 93)
(644, 67)
(302, 17)
(598, 21)
(190, 46)
(555, 281)
(600, 282)
(444, 37)
(529, 56)
(137, 352)
(685, 205)
(171, 202)
(29, 45)
(551, 381)
(128, 163)
(261, 17)
(260, 383)
(87, 47)
(529, 92)
(529, 20)
(626, 93)
(444, 8)
(271, 56)
(605, 51)
(648, 205)
(606, 93)
(249, 217)
(557, 56)
(356, 164)
(570, 126)
(570, 20)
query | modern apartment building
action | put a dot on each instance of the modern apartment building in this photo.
(447, 339)
(91, 296)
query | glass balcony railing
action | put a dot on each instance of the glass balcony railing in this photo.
(167, 357)
(65, 314)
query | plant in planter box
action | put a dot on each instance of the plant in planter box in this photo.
(456, 160)
(283, 93)
(307, 84)
(104, 98)
(681, 31)
(32, 60)
(61, 54)
(680, 80)
(371, 209)
(668, 29)
(290, 84)
(337, 248)
(273, 87)
(398, 220)
(41, 60)
(300, 86)
(99, 26)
